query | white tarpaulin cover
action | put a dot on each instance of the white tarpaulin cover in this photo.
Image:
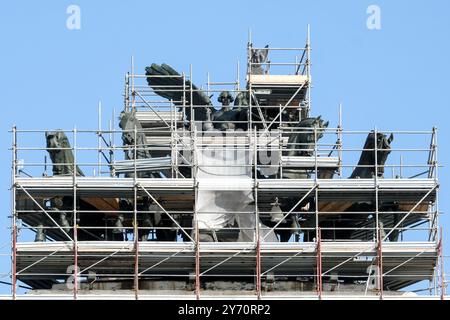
(225, 193)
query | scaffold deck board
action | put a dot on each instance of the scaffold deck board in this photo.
(146, 295)
(150, 118)
(330, 189)
(231, 247)
(277, 80)
(102, 187)
(403, 263)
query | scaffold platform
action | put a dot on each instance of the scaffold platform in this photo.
(255, 199)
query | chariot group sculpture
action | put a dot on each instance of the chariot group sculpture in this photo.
(233, 115)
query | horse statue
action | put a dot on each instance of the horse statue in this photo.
(366, 164)
(366, 169)
(134, 141)
(59, 207)
(300, 143)
(61, 154)
(347, 224)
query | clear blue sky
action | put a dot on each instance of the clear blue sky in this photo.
(52, 77)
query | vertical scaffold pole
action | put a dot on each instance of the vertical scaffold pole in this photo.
(126, 99)
(196, 229)
(238, 77)
(340, 141)
(173, 125)
(257, 229)
(111, 143)
(135, 222)
(208, 84)
(436, 167)
(377, 230)
(316, 171)
(435, 176)
(441, 265)
(316, 191)
(380, 264)
(308, 63)
(136, 247)
(316, 209)
(99, 140)
(375, 180)
(249, 71)
(75, 224)
(14, 215)
(133, 94)
(197, 262)
(197, 253)
(319, 263)
(183, 107)
(191, 95)
(258, 269)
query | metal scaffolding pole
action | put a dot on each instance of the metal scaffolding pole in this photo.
(409, 212)
(290, 211)
(133, 92)
(442, 270)
(257, 228)
(136, 246)
(380, 265)
(197, 245)
(164, 210)
(75, 222)
(339, 141)
(375, 180)
(14, 214)
(319, 264)
(308, 68)
(191, 102)
(99, 139)
(43, 210)
(135, 221)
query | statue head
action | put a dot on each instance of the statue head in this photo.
(383, 146)
(57, 202)
(60, 152)
(306, 133)
(56, 140)
(225, 98)
(128, 122)
(366, 164)
(315, 122)
(125, 119)
(241, 99)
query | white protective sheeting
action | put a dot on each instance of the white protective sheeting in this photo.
(225, 184)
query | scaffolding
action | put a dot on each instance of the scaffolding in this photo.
(391, 241)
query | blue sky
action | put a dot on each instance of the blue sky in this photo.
(393, 78)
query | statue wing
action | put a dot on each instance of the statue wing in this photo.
(170, 92)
